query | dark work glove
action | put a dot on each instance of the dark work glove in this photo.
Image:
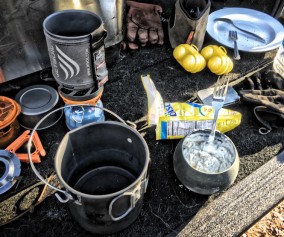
(267, 94)
(143, 25)
(266, 80)
(271, 98)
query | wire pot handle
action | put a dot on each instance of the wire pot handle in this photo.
(68, 196)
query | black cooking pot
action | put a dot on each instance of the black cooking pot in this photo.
(37, 101)
(199, 181)
(108, 172)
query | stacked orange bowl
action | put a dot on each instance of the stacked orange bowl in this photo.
(9, 126)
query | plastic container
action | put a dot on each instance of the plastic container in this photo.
(91, 101)
(189, 58)
(9, 126)
(278, 63)
(213, 50)
(80, 115)
(217, 59)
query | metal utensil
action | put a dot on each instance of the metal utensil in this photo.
(227, 20)
(219, 96)
(233, 35)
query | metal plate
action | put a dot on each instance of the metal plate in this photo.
(251, 20)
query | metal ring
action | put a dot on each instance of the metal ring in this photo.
(67, 195)
(12, 169)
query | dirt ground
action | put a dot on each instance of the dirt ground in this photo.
(167, 203)
(272, 224)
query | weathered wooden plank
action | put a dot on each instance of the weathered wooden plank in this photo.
(236, 209)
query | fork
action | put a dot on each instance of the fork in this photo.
(234, 36)
(219, 96)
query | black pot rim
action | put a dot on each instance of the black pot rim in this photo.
(131, 186)
(83, 37)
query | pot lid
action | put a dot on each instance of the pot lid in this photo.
(9, 111)
(37, 99)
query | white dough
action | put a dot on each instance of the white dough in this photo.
(207, 157)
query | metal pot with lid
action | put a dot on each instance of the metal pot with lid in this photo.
(36, 101)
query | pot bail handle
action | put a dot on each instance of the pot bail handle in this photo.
(134, 197)
(68, 196)
(135, 194)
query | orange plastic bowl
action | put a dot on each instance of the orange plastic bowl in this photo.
(9, 126)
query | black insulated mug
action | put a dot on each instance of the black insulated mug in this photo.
(75, 41)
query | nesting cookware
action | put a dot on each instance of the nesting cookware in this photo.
(9, 126)
(201, 182)
(36, 101)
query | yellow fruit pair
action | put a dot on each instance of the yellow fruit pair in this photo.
(217, 59)
(189, 58)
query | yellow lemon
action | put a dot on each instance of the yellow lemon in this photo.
(214, 64)
(179, 52)
(189, 63)
(207, 52)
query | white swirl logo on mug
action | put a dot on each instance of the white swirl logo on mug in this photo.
(66, 63)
